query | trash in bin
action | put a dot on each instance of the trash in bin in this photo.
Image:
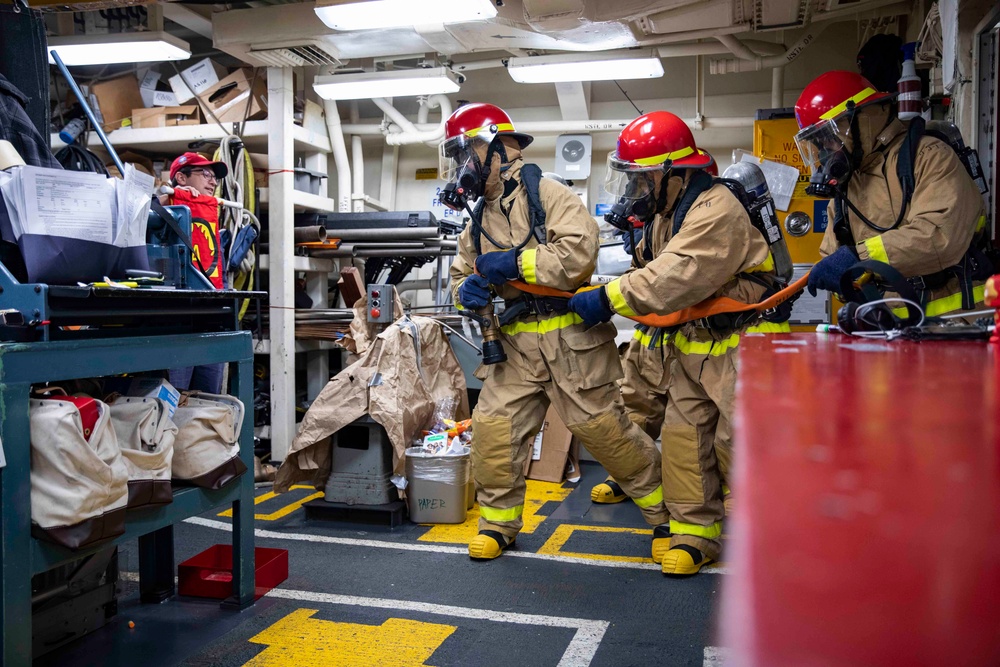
(438, 483)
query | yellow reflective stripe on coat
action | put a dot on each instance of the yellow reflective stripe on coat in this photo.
(617, 301)
(646, 338)
(502, 127)
(876, 249)
(494, 514)
(660, 159)
(842, 107)
(713, 348)
(945, 304)
(770, 327)
(542, 326)
(653, 498)
(765, 266)
(528, 265)
(711, 532)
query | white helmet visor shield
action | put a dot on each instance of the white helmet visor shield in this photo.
(630, 180)
(455, 153)
(818, 142)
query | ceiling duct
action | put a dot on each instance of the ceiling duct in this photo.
(310, 52)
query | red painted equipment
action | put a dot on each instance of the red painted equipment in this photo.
(868, 525)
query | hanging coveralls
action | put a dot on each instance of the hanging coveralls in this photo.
(944, 214)
(552, 357)
(703, 259)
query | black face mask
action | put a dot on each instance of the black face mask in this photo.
(833, 175)
(629, 213)
(470, 181)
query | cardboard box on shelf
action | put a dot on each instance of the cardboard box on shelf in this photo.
(551, 450)
(140, 162)
(115, 100)
(151, 96)
(166, 116)
(260, 171)
(201, 76)
(240, 96)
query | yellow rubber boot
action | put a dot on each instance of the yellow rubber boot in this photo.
(683, 560)
(661, 542)
(488, 544)
(608, 492)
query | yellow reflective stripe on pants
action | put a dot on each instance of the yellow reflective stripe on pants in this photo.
(711, 532)
(494, 514)
(617, 301)
(653, 498)
(528, 265)
(876, 249)
(946, 304)
(646, 339)
(770, 327)
(542, 326)
(713, 348)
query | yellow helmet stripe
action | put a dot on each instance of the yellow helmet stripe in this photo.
(502, 127)
(842, 107)
(660, 159)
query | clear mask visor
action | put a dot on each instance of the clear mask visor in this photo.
(627, 180)
(817, 143)
(455, 153)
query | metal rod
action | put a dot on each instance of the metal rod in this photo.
(309, 234)
(89, 112)
(399, 233)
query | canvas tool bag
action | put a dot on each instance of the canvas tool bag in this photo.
(146, 438)
(207, 446)
(79, 485)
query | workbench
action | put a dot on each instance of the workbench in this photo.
(22, 364)
(867, 525)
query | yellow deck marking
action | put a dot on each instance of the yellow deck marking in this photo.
(282, 512)
(298, 640)
(537, 494)
(554, 545)
(561, 536)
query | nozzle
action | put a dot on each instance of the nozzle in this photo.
(493, 352)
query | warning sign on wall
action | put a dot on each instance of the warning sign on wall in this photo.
(426, 174)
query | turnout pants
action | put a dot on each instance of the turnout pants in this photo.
(555, 361)
(647, 374)
(697, 436)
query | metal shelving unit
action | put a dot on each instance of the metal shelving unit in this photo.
(23, 556)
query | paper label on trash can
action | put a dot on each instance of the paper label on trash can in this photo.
(436, 439)
(536, 451)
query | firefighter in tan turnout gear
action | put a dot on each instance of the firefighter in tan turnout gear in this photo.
(898, 196)
(702, 245)
(552, 357)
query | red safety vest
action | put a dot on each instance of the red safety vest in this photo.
(207, 255)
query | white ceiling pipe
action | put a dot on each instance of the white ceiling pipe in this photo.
(777, 87)
(358, 162)
(540, 127)
(757, 63)
(339, 149)
(412, 134)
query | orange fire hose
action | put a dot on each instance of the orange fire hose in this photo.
(698, 311)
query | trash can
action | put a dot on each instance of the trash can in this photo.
(438, 486)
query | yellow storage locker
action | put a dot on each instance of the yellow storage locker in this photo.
(805, 220)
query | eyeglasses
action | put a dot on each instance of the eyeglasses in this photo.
(207, 173)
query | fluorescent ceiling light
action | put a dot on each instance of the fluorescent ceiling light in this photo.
(375, 14)
(576, 67)
(401, 83)
(114, 48)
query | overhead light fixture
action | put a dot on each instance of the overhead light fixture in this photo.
(399, 83)
(592, 67)
(114, 48)
(380, 14)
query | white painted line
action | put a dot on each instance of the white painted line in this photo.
(716, 656)
(579, 653)
(433, 548)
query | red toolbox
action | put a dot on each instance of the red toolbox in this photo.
(210, 573)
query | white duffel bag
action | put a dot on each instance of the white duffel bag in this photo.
(207, 446)
(146, 438)
(79, 487)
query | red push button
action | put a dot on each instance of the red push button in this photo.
(375, 293)
(376, 312)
